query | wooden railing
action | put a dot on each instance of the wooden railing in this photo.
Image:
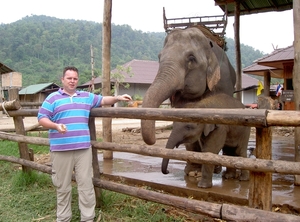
(261, 168)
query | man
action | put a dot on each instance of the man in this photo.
(66, 113)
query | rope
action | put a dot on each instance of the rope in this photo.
(5, 109)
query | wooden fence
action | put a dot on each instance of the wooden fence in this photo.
(259, 206)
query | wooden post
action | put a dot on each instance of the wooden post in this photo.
(96, 170)
(106, 45)
(296, 79)
(10, 105)
(20, 129)
(260, 190)
(238, 49)
(267, 83)
(92, 67)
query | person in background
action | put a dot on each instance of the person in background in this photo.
(66, 113)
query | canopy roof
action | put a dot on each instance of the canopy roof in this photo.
(5, 69)
(274, 63)
(248, 7)
(33, 89)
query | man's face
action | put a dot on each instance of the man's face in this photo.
(70, 81)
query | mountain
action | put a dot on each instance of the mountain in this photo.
(40, 46)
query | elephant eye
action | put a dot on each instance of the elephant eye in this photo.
(192, 58)
(189, 127)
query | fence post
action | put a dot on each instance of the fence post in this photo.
(20, 129)
(95, 162)
(260, 189)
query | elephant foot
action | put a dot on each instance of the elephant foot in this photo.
(193, 170)
(192, 180)
(230, 174)
(205, 184)
(218, 169)
(244, 175)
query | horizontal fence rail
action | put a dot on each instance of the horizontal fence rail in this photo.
(245, 117)
(256, 165)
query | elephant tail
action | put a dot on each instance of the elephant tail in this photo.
(246, 88)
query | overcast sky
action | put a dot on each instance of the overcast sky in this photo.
(261, 31)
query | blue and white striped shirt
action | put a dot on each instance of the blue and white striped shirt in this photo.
(74, 112)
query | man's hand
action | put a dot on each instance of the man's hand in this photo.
(124, 97)
(61, 128)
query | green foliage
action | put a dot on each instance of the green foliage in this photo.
(137, 97)
(119, 77)
(248, 53)
(20, 180)
(40, 46)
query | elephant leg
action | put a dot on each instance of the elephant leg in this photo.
(241, 151)
(193, 169)
(217, 169)
(207, 174)
(213, 143)
(230, 173)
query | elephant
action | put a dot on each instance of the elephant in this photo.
(232, 139)
(190, 65)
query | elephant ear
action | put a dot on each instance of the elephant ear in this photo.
(208, 128)
(213, 74)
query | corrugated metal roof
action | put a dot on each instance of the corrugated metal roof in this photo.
(144, 71)
(259, 70)
(5, 69)
(278, 57)
(254, 6)
(248, 81)
(273, 63)
(33, 89)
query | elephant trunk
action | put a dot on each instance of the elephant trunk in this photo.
(164, 166)
(163, 87)
(171, 144)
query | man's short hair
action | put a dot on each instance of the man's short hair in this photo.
(73, 68)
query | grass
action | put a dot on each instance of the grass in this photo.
(30, 197)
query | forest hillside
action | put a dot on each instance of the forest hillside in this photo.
(40, 46)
